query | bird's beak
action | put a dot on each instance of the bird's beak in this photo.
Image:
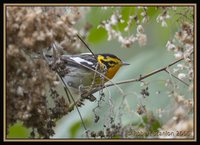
(125, 63)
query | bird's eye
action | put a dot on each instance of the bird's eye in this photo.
(111, 63)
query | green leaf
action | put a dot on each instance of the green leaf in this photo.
(155, 126)
(96, 35)
(74, 129)
(18, 131)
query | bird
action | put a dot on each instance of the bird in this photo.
(82, 73)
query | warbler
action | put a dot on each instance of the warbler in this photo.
(84, 72)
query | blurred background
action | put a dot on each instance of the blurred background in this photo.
(143, 56)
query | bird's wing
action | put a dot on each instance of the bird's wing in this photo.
(87, 60)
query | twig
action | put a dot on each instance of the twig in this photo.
(85, 44)
(141, 77)
(177, 78)
(147, 75)
(67, 91)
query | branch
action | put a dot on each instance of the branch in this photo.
(138, 79)
(177, 78)
(147, 75)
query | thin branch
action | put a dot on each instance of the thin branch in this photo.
(147, 75)
(141, 77)
(85, 44)
(67, 91)
(177, 78)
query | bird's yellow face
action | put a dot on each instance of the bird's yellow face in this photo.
(112, 64)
